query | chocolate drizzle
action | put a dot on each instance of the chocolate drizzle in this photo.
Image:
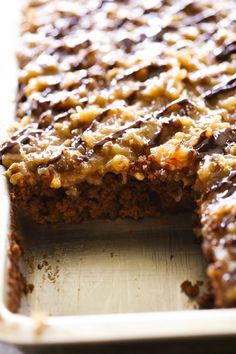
(102, 2)
(190, 8)
(127, 44)
(119, 133)
(55, 158)
(172, 125)
(6, 147)
(64, 115)
(226, 51)
(228, 184)
(99, 118)
(71, 48)
(220, 89)
(20, 138)
(205, 16)
(158, 37)
(151, 68)
(182, 105)
(168, 128)
(216, 143)
(154, 8)
(177, 105)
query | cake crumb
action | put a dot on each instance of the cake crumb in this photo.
(29, 288)
(30, 263)
(44, 263)
(40, 322)
(205, 301)
(189, 289)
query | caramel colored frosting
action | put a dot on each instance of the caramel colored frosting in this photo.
(104, 83)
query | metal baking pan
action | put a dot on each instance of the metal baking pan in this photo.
(100, 281)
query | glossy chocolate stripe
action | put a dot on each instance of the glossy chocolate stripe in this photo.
(20, 138)
(182, 103)
(220, 89)
(216, 143)
(226, 51)
(228, 184)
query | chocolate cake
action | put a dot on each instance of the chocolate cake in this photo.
(128, 109)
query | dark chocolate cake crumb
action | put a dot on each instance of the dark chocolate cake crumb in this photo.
(189, 289)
